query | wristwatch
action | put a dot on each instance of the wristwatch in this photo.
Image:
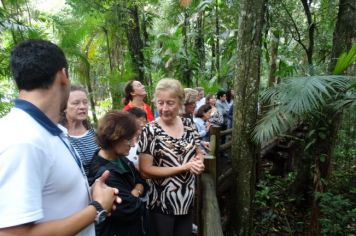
(101, 213)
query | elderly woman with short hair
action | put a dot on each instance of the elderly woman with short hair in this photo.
(116, 134)
(171, 156)
(190, 99)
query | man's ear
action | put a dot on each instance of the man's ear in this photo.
(63, 76)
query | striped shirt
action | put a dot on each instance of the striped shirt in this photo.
(172, 195)
(85, 146)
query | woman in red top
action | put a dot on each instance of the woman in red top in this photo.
(134, 95)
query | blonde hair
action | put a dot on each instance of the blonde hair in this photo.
(170, 84)
(191, 95)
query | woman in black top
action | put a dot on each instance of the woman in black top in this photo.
(116, 134)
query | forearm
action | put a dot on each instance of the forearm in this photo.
(68, 226)
(157, 172)
(200, 153)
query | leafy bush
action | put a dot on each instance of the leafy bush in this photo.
(338, 214)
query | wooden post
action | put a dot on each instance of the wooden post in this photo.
(211, 222)
(212, 163)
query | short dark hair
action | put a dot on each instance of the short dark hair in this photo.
(34, 64)
(203, 109)
(137, 112)
(115, 127)
(220, 93)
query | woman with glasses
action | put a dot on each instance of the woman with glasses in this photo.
(116, 134)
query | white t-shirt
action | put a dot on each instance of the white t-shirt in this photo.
(133, 156)
(199, 103)
(39, 178)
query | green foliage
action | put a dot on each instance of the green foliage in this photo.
(7, 92)
(294, 98)
(338, 214)
(275, 211)
(345, 60)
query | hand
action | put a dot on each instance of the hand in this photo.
(208, 127)
(206, 145)
(195, 166)
(104, 194)
(137, 190)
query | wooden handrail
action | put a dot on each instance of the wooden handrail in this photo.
(225, 146)
(226, 132)
(210, 212)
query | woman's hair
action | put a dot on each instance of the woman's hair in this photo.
(208, 97)
(78, 88)
(190, 95)
(203, 109)
(115, 127)
(199, 89)
(128, 90)
(170, 84)
(229, 95)
(63, 119)
(137, 112)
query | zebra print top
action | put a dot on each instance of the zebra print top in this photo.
(171, 195)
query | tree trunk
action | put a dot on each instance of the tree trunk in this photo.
(273, 59)
(199, 44)
(244, 151)
(217, 44)
(135, 43)
(187, 71)
(344, 37)
(311, 29)
(345, 30)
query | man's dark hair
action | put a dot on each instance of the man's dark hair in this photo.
(220, 93)
(34, 64)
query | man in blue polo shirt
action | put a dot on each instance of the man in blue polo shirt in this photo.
(43, 189)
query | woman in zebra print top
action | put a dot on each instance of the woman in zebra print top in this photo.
(170, 155)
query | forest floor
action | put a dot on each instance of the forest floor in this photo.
(278, 212)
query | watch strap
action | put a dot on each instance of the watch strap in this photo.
(97, 206)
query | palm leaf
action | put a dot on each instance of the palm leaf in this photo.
(297, 97)
(345, 60)
(275, 121)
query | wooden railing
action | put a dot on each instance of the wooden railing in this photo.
(209, 222)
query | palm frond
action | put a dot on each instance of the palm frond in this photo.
(345, 60)
(275, 121)
(297, 97)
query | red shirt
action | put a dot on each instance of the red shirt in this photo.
(146, 108)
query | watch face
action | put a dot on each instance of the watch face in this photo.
(101, 216)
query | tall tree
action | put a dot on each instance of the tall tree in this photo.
(344, 38)
(244, 151)
(135, 43)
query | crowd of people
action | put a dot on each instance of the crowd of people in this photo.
(134, 174)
